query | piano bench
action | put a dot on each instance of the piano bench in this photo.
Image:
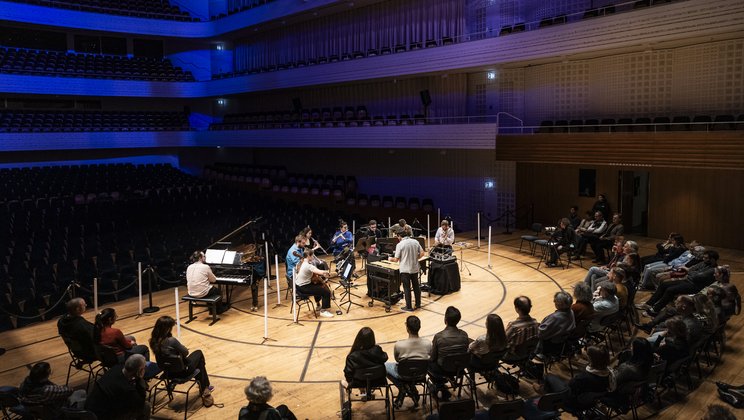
(208, 302)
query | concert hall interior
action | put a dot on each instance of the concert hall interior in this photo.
(135, 134)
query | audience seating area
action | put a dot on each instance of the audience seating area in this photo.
(644, 124)
(24, 121)
(69, 64)
(150, 9)
(74, 223)
(237, 6)
(315, 118)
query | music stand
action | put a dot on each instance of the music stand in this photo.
(464, 264)
(345, 272)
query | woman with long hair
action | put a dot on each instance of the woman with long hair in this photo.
(494, 340)
(163, 344)
(364, 353)
(104, 333)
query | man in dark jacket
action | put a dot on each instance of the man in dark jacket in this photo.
(451, 340)
(76, 331)
(698, 276)
(122, 392)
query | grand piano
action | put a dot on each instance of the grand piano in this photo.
(236, 263)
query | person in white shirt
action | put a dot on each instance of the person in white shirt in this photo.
(408, 251)
(199, 277)
(306, 285)
(445, 236)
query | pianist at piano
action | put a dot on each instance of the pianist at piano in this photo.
(199, 277)
(306, 285)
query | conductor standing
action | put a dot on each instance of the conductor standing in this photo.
(407, 252)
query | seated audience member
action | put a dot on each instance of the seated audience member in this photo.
(653, 273)
(666, 251)
(521, 330)
(561, 241)
(259, 393)
(411, 348)
(718, 412)
(105, 334)
(582, 307)
(584, 387)
(605, 303)
(121, 393)
(557, 325)
(684, 307)
(626, 257)
(673, 345)
(75, 328)
(584, 224)
(722, 276)
(573, 217)
(605, 240)
(716, 295)
(705, 311)
(634, 365)
(595, 229)
(492, 342)
(698, 276)
(341, 239)
(364, 353)
(38, 390)
(617, 277)
(163, 344)
(451, 340)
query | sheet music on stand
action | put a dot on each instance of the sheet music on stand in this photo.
(214, 256)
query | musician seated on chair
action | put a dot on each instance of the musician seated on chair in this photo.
(445, 236)
(372, 230)
(200, 279)
(401, 227)
(309, 282)
(341, 239)
(294, 257)
(74, 328)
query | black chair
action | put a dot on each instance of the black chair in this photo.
(453, 371)
(79, 362)
(627, 396)
(552, 403)
(457, 410)
(537, 228)
(519, 357)
(488, 369)
(506, 410)
(370, 380)
(10, 404)
(174, 374)
(412, 374)
(556, 350)
(78, 414)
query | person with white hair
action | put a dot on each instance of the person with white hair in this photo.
(259, 392)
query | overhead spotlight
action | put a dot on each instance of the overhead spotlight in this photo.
(221, 102)
(220, 47)
(491, 75)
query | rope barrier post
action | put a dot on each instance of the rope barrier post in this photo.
(266, 310)
(95, 294)
(390, 232)
(439, 215)
(178, 314)
(428, 230)
(479, 231)
(150, 274)
(278, 286)
(489, 247)
(139, 286)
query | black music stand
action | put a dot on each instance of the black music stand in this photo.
(346, 272)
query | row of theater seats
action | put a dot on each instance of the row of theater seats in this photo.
(589, 13)
(343, 189)
(98, 66)
(24, 121)
(237, 6)
(345, 56)
(150, 9)
(643, 124)
(43, 187)
(314, 118)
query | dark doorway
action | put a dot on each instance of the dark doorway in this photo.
(633, 187)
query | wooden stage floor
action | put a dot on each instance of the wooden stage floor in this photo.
(305, 362)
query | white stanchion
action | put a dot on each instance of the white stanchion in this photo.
(266, 308)
(268, 264)
(139, 285)
(489, 247)
(353, 229)
(95, 294)
(439, 215)
(390, 232)
(278, 288)
(478, 234)
(178, 314)
(294, 298)
(428, 230)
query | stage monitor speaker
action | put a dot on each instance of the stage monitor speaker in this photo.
(297, 104)
(425, 97)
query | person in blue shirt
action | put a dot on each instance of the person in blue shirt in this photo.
(294, 255)
(341, 239)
